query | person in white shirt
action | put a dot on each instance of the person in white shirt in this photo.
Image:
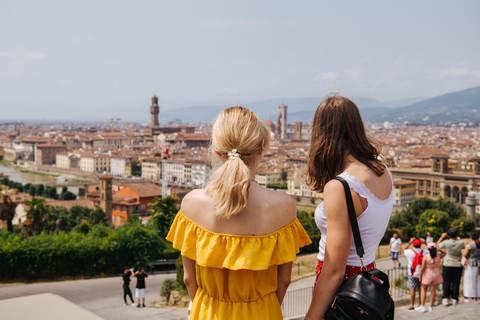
(413, 279)
(394, 246)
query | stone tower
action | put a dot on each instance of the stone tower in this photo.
(106, 197)
(155, 110)
(281, 129)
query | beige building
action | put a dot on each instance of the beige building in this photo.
(91, 162)
(404, 192)
(266, 177)
(47, 153)
(443, 181)
(152, 168)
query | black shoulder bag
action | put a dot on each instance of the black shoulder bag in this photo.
(366, 295)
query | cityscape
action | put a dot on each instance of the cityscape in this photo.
(106, 119)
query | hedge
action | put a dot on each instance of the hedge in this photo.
(102, 250)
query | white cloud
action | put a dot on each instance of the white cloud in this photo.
(213, 24)
(18, 63)
(6, 54)
(330, 76)
(34, 55)
(452, 72)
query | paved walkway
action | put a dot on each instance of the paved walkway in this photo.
(104, 298)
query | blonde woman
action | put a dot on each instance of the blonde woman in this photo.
(237, 239)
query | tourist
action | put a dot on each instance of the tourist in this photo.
(340, 147)
(127, 273)
(430, 275)
(429, 238)
(140, 287)
(452, 265)
(415, 258)
(238, 239)
(394, 246)
(471, 278)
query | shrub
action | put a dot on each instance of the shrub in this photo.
(464, 226)
(312, 247)
(168, 286)
(433, 221)
(180, 272)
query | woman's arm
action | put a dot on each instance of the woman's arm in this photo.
(284, 276)
(465, 256)
(189, 276)
(337, 247)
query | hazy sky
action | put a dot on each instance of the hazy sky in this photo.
(89, 60)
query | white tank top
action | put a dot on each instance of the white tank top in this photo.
(372, 223)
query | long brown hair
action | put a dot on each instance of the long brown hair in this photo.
(338, 130)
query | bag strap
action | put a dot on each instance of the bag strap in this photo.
(353, 219)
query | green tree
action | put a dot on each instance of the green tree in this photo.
(67, 195)
(32, 190)
(163, 213)
(433, 221)
(283, 176)
(4, 181)
(37, 213)
(50, 192)
(136, 168)
(409, 217)
(39, 188)
(464, 225)
(7, 212)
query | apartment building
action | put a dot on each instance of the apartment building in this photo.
(404, 192)
(200, 170)
(152, 168)
(119, 165)
(46, 154)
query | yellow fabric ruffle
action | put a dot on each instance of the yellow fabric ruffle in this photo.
(234, 252)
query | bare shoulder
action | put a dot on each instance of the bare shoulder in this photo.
(194, 202)
(284, 205)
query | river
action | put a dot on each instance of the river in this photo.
(28, 177)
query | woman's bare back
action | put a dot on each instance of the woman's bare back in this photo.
(266, 212)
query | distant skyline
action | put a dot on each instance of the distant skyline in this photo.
(91, 60)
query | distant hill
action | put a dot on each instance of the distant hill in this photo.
(461, 106)
(299, 109)
(458, 106)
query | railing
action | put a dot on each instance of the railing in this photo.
(398, 278)
(296, 302)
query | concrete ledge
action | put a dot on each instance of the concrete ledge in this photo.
(44, 306)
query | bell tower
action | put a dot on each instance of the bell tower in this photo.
(106, 197)
(154, 111)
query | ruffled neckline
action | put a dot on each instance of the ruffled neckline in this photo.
(218, 250)
(233, 235)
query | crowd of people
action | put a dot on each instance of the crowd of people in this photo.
(425, 271)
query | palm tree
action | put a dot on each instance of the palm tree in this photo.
(8, 211)
(37, 213)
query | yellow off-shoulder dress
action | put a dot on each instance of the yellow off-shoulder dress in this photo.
(236, 275)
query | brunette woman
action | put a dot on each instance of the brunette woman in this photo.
(340, 146)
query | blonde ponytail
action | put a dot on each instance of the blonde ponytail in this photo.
(237, 135)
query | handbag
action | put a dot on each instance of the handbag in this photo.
(366, 295)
